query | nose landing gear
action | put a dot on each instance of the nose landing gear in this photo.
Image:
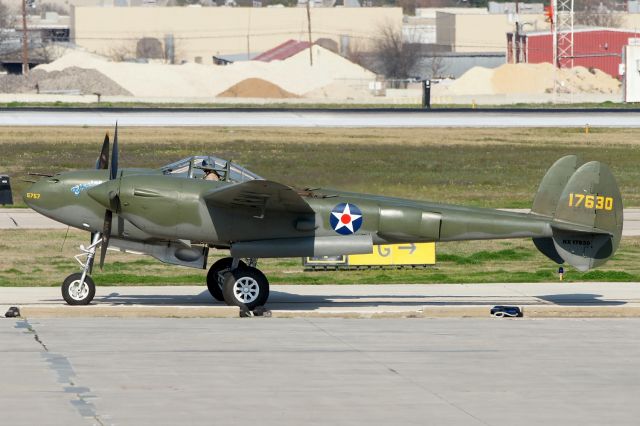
(78, 288)
(78, 291)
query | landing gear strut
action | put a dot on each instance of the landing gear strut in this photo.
(79, 288)
(244, 286)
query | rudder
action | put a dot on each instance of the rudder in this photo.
(587, 217)
(587, 225)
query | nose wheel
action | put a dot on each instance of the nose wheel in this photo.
(78, 289)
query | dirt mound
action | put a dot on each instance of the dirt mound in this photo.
(522, 78)
(291, 77)
(256, 88)
(531, 79)
(74, 79)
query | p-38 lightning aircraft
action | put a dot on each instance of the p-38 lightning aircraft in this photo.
(176, 214)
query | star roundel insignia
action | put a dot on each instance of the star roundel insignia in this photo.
(346, 218)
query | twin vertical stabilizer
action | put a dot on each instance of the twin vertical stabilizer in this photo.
(585, 207)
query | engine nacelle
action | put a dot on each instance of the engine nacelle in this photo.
(172, 252)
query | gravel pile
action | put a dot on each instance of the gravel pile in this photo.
(529, 79)
(256, 88)
(293, 76)
(73, 80)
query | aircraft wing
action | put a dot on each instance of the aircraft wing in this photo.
(258, 196)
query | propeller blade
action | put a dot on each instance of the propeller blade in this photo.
(106, 234)
(102, 163)
(114, 201)
(114, 155)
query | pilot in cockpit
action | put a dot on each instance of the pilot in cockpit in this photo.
(209, 172)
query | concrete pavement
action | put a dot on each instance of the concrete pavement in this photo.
(26, 219)
(274, 372)
(383, 300)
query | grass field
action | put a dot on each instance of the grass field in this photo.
(38, 258)
(482, 167)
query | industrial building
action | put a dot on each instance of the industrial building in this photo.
(599, 48)
(196, 34)
(477, 30)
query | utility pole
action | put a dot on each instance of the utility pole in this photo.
(309, 30)
(25, 40)
(517, 43)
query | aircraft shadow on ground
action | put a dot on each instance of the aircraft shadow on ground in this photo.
(289, 301)
(580, 299)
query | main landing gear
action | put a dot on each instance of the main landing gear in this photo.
(79, 288)
(230, 280)
(238, 285)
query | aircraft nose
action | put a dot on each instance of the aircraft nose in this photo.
(33, 194)
(43, 195)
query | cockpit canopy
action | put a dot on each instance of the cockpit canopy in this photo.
(195, 167)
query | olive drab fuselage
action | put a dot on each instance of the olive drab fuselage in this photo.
(576, 215)
(166, 207)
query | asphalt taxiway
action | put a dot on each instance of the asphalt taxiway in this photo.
(320, 118)
(319, 371)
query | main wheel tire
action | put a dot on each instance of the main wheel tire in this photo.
(212, 276)
(75, 292)
(245, 287)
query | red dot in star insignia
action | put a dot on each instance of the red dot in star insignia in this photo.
(345, 218)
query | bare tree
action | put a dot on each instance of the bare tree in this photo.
(597, 13)
(436, 65)
(46, 51)
(356, 53)
(7, 17)
(395, 56)
(7, 29)
(120, 53)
